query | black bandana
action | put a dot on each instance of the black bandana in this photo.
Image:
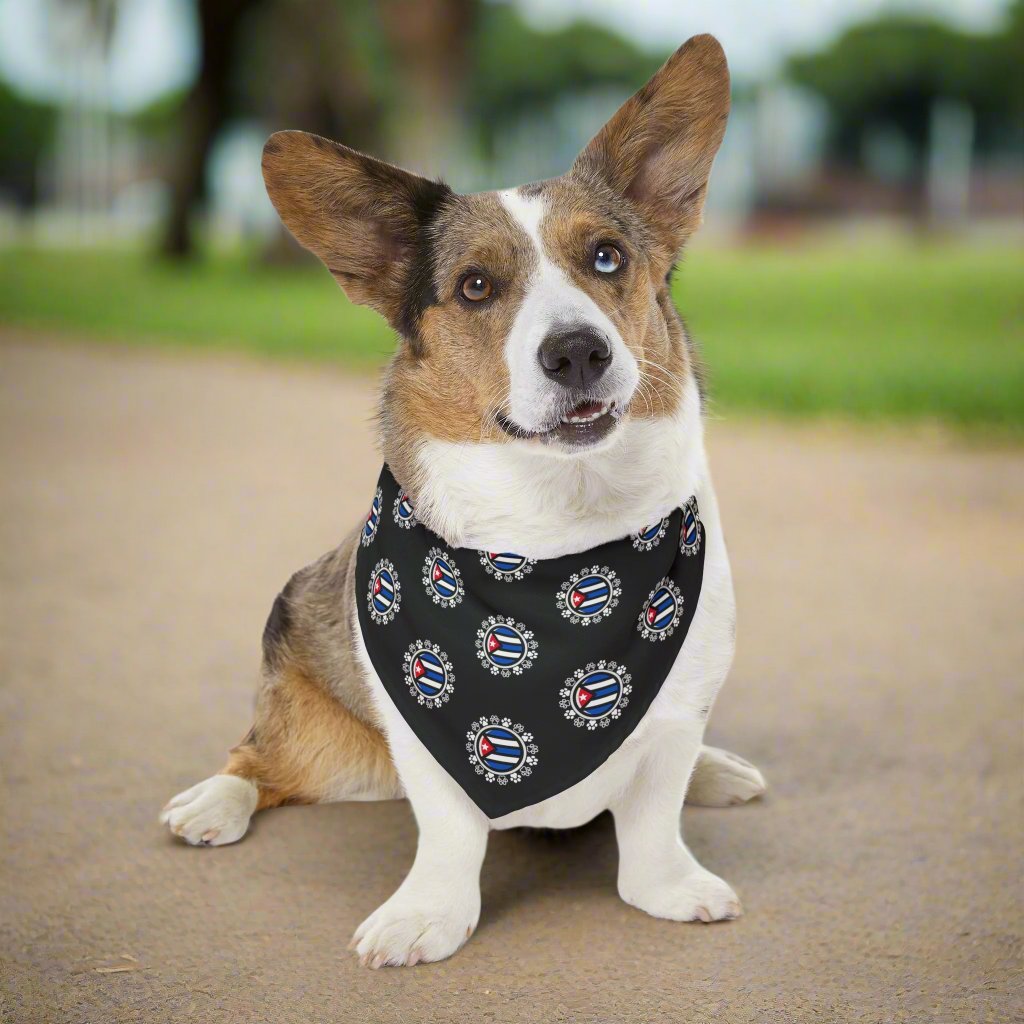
(520, 676)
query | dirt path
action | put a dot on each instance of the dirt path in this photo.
(151, 505)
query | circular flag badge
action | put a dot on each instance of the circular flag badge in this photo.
(662, 611)
(503, 565)
(595, 695)
(692, 530)
(429, 673)
(650, 536)
(590, 595)
(385, 593)
(403, 512)
(442, 579)
(505, 647)
(372, 520)
(500, 750)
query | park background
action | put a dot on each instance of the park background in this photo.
(862, 248)
(186, 410)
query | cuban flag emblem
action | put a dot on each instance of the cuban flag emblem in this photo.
(692, 530)
(428, 673)
(385, 593)
(662, 612)
(596, 695)
(403, 512)
(501, 750)
(590, 595)
(372, 520)
(650, 536)
(504, 646)
(504, 565)
(442, 579)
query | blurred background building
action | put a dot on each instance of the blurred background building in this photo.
(142, 120)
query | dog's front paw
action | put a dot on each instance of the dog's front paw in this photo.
(697, 896)
(213, 812)
(410, 929)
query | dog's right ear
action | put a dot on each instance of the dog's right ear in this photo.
(364, 218)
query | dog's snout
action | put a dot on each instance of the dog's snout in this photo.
(575, 357)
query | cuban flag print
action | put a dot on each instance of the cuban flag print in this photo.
(403, 512)
(372, 520)
(691, 531)
(505, 647)
(596, 695)
(576, 647)
(650, 536)
(385, 593)
(429, 673)
(504, 565)
(590, 595)
(662, 612)
(442, 580)
(501, 750)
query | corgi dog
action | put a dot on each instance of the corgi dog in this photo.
(544, 399)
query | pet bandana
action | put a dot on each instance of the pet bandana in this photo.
(523, 676)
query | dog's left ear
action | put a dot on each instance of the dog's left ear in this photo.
(658, 149)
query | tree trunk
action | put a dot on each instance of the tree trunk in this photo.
(205, 111)
(428, 39)
(321, 84)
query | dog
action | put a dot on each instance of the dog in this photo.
(546, 399)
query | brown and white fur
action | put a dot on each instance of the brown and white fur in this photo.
(560, 410)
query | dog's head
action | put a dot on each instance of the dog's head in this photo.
(537, 316)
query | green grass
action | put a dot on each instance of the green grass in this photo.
(898, 331)
(220, 302)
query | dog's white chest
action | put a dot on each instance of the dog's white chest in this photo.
(681, 705)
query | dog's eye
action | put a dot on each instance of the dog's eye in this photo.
(607, 259)
(476, 287)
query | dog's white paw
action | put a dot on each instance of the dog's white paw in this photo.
(722, 779)
(697, 896)
(409, 929)
(214, 812)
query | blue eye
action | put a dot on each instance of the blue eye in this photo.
(607, 259)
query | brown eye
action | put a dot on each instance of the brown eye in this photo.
(476, 287)
(607, 259)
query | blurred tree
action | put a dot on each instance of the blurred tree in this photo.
(317, 65)
(891, 72)
(428, 41)
(26, 135)
(203, 114)
(310, 64)
(321, 81)
(517, 70)
(410, 80)
(1003, 56)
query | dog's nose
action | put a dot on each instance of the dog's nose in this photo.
(575, 357)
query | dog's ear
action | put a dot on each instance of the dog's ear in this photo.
(658, 149)
(366, 219)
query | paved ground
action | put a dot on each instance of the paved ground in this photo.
(152, 504)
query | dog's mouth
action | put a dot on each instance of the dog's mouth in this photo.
(580, 426)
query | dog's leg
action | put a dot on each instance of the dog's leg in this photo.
(434, 911)
(306, 747)
(722, 779)
(657, 873)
